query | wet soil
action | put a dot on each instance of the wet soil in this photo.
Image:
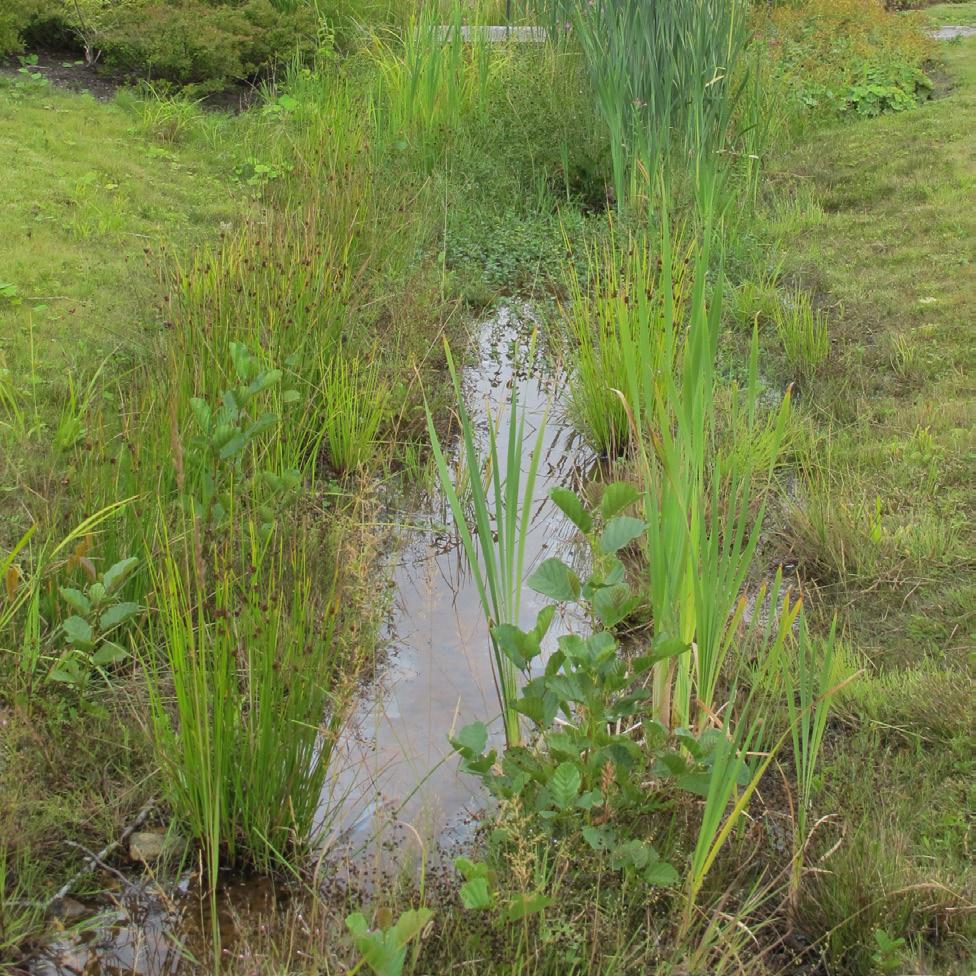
(64, 70)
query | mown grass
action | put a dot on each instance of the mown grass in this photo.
(876, 221)
(90, 206)
(957, 14)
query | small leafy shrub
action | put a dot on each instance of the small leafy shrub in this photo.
(91, 633)
(384, 949)
(595, 746)
(184, 42)
(886, 87)
(831, 57)
(215, 454)
(256, 174)
(189, 42)
(16, 17)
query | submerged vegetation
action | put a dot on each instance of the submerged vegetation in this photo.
(738, 735)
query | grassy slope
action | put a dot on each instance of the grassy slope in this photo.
(887, 238)
(85, 195)
(88, 203)
(953, 13)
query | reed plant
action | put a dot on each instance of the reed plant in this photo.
(245, 735)
(703, 523)
(501, 494)
(666, 77)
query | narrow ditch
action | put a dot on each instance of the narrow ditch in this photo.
(396, 798)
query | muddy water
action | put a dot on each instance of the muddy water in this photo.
(396, 787)
(397, 779)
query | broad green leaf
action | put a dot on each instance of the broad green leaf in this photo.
(379, 950)
(660, 873)
(570, 505)
(117, 615)
(79, 632)
(601, 646)
(517, 645)
(76, 600)
(697, 783)
(616, 498)
(202, 413)
(565, 785)
(599, 838)
(475, 894)
(233, 445)
(633, 854)
(612, 604)
(116, 575)
(470, 869)
(590, 799)
(543, 621)
(410, 924)
(472, 738)
(265, 422)
(554, 579)
(574, 647)
(619, 532)
(109, 653)
(524, 905)
(64, 677)
(264, 381)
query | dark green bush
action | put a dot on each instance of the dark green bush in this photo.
(206, 43)
(191, 42)
(15, 18)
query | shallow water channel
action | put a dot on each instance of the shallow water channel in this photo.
(396, 786)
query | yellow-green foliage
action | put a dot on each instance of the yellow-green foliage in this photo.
(845, 55)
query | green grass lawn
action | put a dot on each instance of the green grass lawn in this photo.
(881, 225)
(89, 205)
(959, 14)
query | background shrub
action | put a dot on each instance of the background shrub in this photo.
(186, 42)
(835, 56)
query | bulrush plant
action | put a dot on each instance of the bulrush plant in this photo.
(501, 495)
(810, 680)
(428, 81)
(703, 524)
(355, 401)
(246, 711)
(619, 283)
(666, 77)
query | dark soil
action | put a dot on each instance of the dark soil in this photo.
(65, 70)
